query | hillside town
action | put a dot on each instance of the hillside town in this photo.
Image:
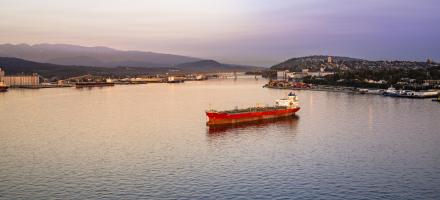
(355, 75)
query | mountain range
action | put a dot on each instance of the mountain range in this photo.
(64, 60)
(53, 71)
(65, 54)
(13, 66)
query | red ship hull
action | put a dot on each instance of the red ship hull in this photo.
(3, 88)
(222, 118)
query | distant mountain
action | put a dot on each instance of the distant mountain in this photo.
(14, 66)
(53, 71)
(213, 66)
(314, 63)
(64, 54)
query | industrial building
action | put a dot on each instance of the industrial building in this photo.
(287, 75)
(19, 80)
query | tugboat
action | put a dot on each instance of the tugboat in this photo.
(285, 107)
(3, 87)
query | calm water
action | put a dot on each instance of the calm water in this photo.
(151, 142)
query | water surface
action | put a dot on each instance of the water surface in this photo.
(151, 142)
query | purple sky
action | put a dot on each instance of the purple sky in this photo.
(257, 32)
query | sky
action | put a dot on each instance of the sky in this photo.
(252, 32)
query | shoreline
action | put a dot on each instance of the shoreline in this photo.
(351, 90)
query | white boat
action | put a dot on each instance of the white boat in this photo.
(391, 91)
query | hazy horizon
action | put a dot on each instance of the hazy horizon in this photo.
(251, 32)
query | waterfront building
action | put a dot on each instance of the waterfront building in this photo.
(282, 75)
(286, 75)
(320, 73)
(21, 80)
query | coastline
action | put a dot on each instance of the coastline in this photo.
(351, 90)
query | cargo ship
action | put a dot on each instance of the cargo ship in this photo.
(108, 82)
(3, 87)
(285, 107)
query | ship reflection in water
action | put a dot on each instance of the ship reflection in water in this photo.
(289, 123)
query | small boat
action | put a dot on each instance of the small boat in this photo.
(3, 87)
(391, 91)
(283, 108)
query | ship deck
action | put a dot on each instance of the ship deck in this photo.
(253, 109)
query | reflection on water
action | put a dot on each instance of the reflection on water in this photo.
(287, 123)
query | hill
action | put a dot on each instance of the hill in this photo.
(212, 66)
(64, 54)
(314, 63)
